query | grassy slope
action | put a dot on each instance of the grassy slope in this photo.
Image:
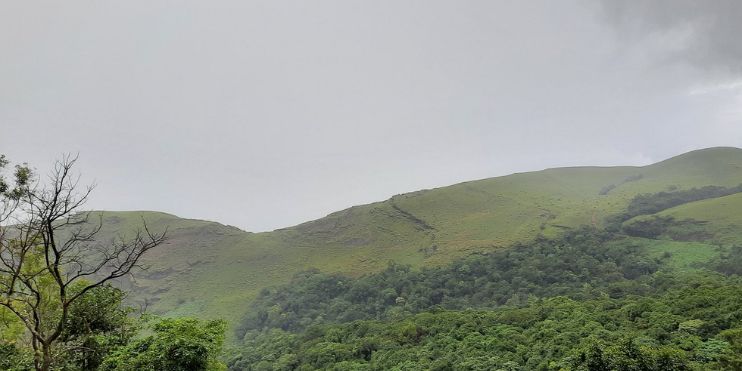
(210, 270)
(723, 220)
(684, 255)
(723, 215)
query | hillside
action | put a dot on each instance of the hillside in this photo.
(722, 216)
(589, 300)
(211, 270)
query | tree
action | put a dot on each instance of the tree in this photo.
(732, 358)
(49, 255)
(98, 323)
(176, 344)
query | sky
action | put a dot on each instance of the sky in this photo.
(266, 114)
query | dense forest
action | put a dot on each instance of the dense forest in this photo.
(690, 326)
(582, 265)
(592, 300)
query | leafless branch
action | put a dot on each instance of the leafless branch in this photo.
(45, 235)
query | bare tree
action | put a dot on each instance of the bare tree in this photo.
(49, 254)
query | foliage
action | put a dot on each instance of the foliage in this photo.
(657, 226)
(11, 328)
(175, 345)
(732, 358)
(651, 203)
(730, 262)
(627, 355)
(577, 265)
(692, 322)
(212, 270)
(100, 335)
(50, 258)
(721, 217)
(591, 300)
(14, 358)
(97, 324)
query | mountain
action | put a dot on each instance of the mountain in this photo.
(211, 270)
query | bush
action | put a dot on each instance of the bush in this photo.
(176, 344)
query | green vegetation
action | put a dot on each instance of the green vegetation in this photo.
(588, 301)
(681, 255)
(565, 269)
(97, 324)
(59, 309)
(102, 334)
(210, 270)
(652, 203)
(660, 292)
(729, 262)
(675, 331)
(177, 344)
(50, 264)
(584, 264)
(721, 217)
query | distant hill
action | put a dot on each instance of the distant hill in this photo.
(211, 270)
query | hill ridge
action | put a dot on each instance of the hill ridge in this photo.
(213, 270)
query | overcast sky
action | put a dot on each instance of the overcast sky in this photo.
(265, 114)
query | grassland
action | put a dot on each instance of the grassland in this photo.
(683, 255)
(722, 216)
(211, 270)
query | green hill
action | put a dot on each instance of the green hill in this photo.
(211, 270)
(722, 216)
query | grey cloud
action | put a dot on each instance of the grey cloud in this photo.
(264, 114)
(707, 34)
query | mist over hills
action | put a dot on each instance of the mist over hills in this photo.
(211, 270)
(368, 186)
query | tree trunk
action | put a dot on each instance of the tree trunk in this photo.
(36, 354)
(46, 361)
